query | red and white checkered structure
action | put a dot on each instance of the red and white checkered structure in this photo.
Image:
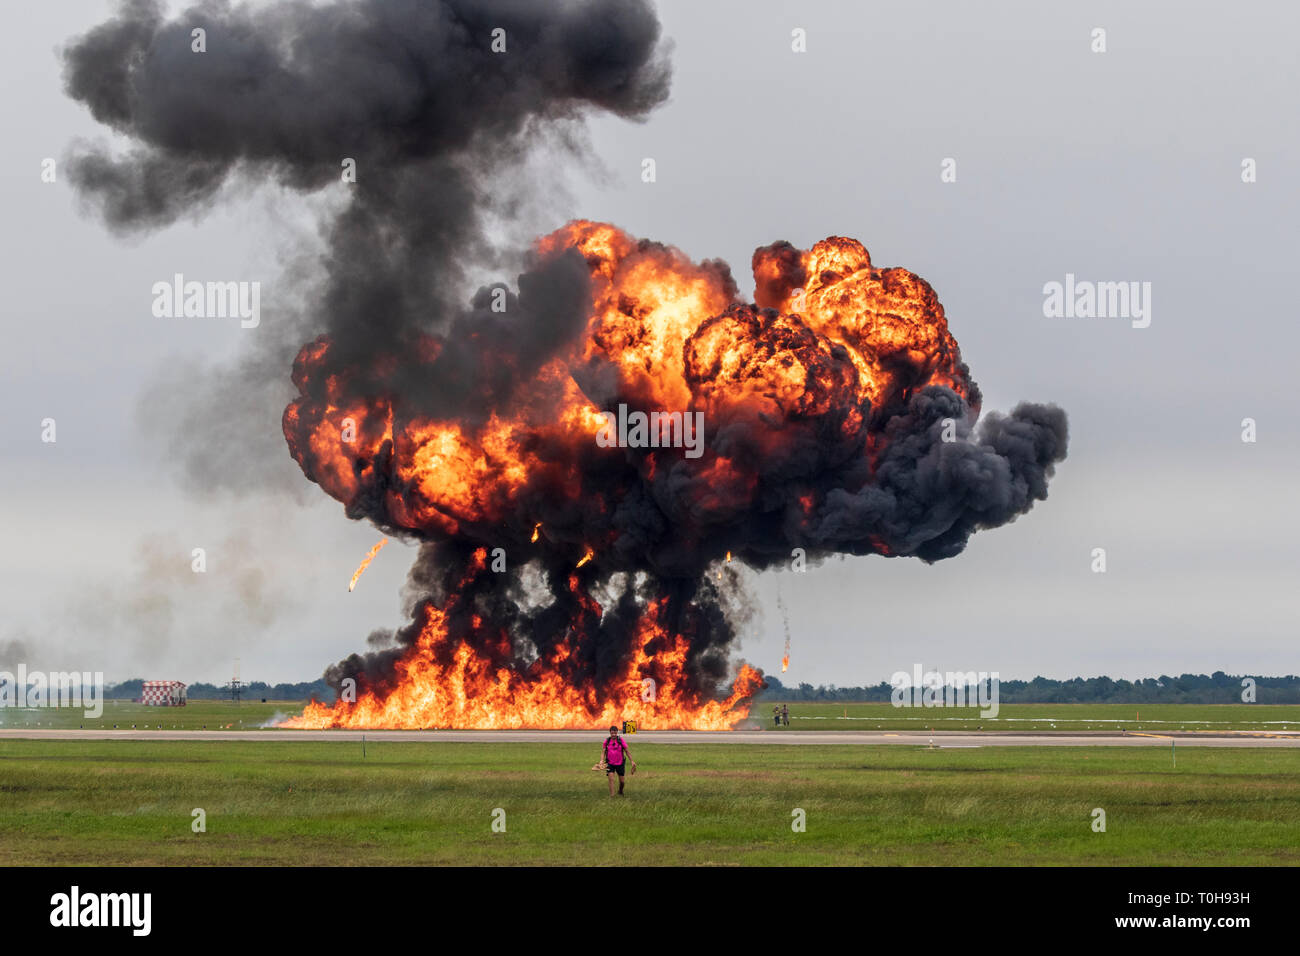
(163, 693)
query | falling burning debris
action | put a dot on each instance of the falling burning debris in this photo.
(365, 563)
(785, 621)
(838, 416)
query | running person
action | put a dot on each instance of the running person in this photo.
(613, 751)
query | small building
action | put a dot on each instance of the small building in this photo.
(163, 693)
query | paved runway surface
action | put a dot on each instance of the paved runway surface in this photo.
(941, 739)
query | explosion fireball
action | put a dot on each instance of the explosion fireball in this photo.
(824, 406)
(566, 577)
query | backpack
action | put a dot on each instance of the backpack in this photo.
(614, 749)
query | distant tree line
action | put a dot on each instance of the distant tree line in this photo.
(1216, 688)
(253, 690)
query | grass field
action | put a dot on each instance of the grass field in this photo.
(130, 802)
(224, 714)
(196, 715)
(1152, 717)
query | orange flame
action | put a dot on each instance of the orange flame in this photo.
(441, 684)
(830, 339)
(670, 331)
(365, 563)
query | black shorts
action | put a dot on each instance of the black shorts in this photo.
(615, 768)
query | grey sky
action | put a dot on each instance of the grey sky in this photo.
(1117, 166)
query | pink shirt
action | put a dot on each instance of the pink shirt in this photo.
(614, 749)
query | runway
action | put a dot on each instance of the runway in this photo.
(941, 740)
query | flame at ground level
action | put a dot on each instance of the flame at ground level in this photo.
(445, 686)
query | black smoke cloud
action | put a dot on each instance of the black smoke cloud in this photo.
(929, 495)
(439, 126)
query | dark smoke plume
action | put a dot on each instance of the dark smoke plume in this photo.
(436, 121)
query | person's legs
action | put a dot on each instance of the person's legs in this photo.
(611, 776)
(620, 782)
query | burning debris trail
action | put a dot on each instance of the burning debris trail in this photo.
(365, 563)
(785, 621)
(563, 577)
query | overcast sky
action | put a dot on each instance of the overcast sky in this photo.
(1116, 166)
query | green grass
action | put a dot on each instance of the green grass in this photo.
(1154, 718)
(130, 802)
(196, 715)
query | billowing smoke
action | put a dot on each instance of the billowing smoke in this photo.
(438, 103)
(579, 454)
(566, 540)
